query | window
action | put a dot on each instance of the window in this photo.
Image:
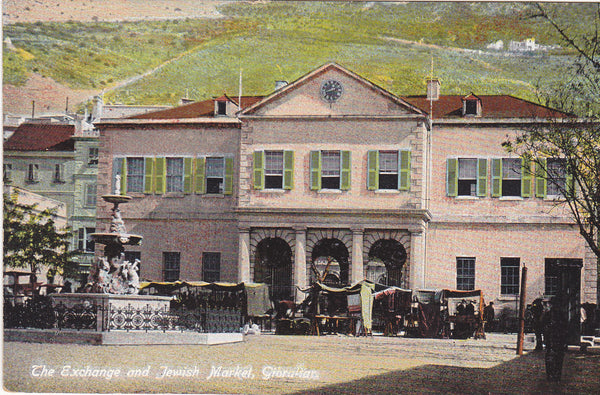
(32, 173)
(466, 177)
(465, 274)
(470, 107)
(85, 242)
(135, 174)
(550, 277)
(170, 266)
(93, 156)
(215, 170)
(90, 195)
(211, 266)
(388, 169)
(274, 169)
(7, 172)
(509, 276)
(221, 108)
(330, 170)
(557, 176)
(330, 173)
(174, 174)
(511, 177)
(58, 173)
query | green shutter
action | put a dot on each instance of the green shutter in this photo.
(570, 183)
(124, 176)
(315, 170)
(482, 181)
(149, 170)
(496, 177)
(187, 175)
(540, 178)
(259, 169)
(525, 177)
(346, 167)
(373, 170)
(288, 169)
(200, 184)
(452, 176)
(160, 175)
(404, 171)
(228, 187)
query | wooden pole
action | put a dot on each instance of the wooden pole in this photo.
(522, 311)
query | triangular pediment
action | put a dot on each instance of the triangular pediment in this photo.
(331, 90)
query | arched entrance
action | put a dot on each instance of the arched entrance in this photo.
(273, 267)
(386, 259)
(330, 262)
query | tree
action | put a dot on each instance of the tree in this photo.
(32, 240)
(565, 147)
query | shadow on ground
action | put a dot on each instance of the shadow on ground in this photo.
(525, 374)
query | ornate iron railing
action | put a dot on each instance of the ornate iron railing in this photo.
(40, 313)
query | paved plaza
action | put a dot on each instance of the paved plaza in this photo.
(269, 364)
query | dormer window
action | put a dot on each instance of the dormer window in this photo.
(471, 106)
(221, 108)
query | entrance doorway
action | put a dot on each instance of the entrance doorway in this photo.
(564, 275)
(330, 262)
(386, 259)
(273, 267)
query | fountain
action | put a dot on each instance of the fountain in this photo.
(112, 274)
(113, 282)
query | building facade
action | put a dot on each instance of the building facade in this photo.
(58, 161)
(332, 178)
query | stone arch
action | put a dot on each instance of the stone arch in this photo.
(273, 266)
(259, 234)
(374, 237)
(330, 241)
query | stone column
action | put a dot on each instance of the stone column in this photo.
(417, 259)
(300, 264)
(244, 256)
(357, 255)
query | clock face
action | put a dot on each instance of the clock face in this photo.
(331, 90)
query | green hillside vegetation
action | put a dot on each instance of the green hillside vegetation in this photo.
(284, 40)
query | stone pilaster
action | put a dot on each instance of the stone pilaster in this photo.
(417, 268)
(357, 255)
(244, 256)
(300, 263)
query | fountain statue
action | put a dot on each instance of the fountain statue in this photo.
(112, 274)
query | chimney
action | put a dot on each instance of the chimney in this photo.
(280, 84)
(97, 108)
(433, 89)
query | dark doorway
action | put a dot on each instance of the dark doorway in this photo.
(566, 273)
(390, 253)
(273, 266)
(330, 262)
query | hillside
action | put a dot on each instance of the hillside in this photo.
(392, 44)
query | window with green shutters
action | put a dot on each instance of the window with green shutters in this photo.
(330, 170)
(467, 177)
(559, 179)
(388, 170)
(273, 170)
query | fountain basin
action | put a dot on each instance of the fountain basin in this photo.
(116, 238)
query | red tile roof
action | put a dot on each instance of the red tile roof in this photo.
(199, 109)
(41, 137)
(492, 106)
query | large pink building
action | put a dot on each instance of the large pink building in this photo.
(333, 178)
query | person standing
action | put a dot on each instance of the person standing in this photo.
(537, 312)
(488, 317)
(556, 339)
